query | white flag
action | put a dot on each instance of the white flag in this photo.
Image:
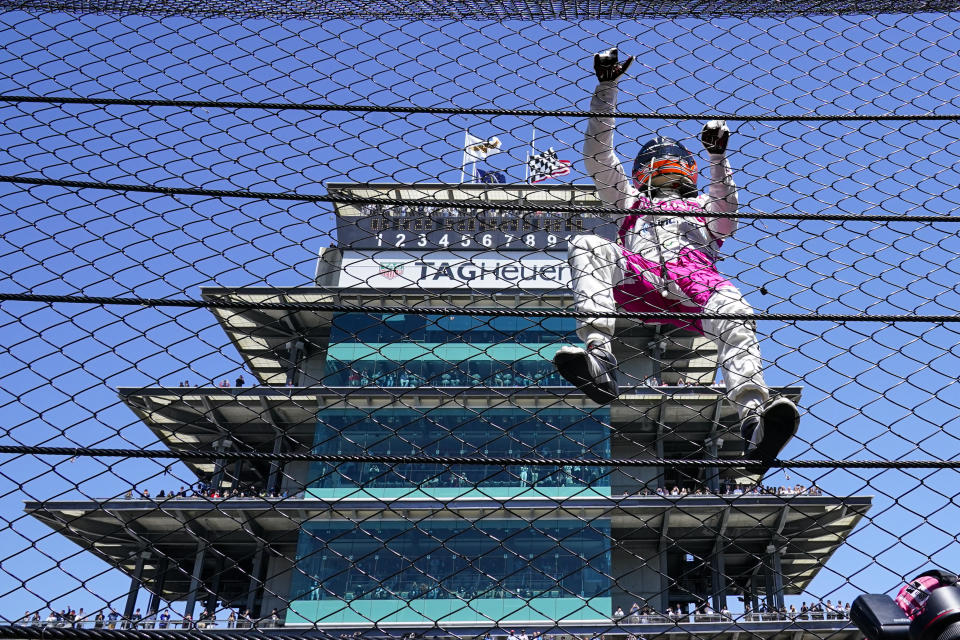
(477, 149)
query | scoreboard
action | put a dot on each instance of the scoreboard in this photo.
(463, 229)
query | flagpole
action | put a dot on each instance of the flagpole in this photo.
(463, 158)
(533, 149)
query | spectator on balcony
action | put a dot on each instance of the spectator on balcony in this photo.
(240, 381)
(150, 621)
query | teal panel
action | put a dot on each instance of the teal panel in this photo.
(514, 610)
(446, 493)
(448, 352)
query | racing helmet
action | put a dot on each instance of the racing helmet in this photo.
(664, 161)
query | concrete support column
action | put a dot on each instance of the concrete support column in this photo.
(273, 480)
(718, 591)
(159, 578)
(135, 582)
(210, 602)
(296, 350)
(664, 581)
(773, 576)
(776, 574)
(768, 598)
(713, 473)
(256, 583)
(660, 479)
(216, 482)
(195, 576)
(238, 467)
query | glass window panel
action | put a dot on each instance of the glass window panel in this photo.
(566, 433)
(388, 328)
(442, 559)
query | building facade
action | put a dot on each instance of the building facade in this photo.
(396, 370)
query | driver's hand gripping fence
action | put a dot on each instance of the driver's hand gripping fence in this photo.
(375, 440)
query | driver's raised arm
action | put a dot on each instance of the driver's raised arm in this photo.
(614, 188)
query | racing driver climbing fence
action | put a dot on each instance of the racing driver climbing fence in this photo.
(666, 262)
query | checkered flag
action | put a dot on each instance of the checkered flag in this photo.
(546, 165)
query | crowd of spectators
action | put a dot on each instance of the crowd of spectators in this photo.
(439, 375)
(224, 384)
(165, 619)
(235, 619)
(733, 489)
(202, 490)
(528, 477)
(521, 374)
(705, 613)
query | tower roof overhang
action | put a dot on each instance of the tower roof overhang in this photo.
(251, 419)
(805, 530)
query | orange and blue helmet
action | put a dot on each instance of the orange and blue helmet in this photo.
(664, 161)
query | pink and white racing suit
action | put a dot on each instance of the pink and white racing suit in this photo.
(664, 263)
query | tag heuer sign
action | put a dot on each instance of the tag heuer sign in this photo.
(422, 270)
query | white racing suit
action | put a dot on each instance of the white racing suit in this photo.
(664, 263)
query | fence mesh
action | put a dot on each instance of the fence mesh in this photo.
(282, 286)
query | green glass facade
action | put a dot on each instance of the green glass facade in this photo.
(431, 570)
(403, 350)
(392, 570)
(501, 432)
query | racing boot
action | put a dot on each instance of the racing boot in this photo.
(592, 370)
(767, 432)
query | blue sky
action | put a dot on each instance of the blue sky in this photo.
(871, 390)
